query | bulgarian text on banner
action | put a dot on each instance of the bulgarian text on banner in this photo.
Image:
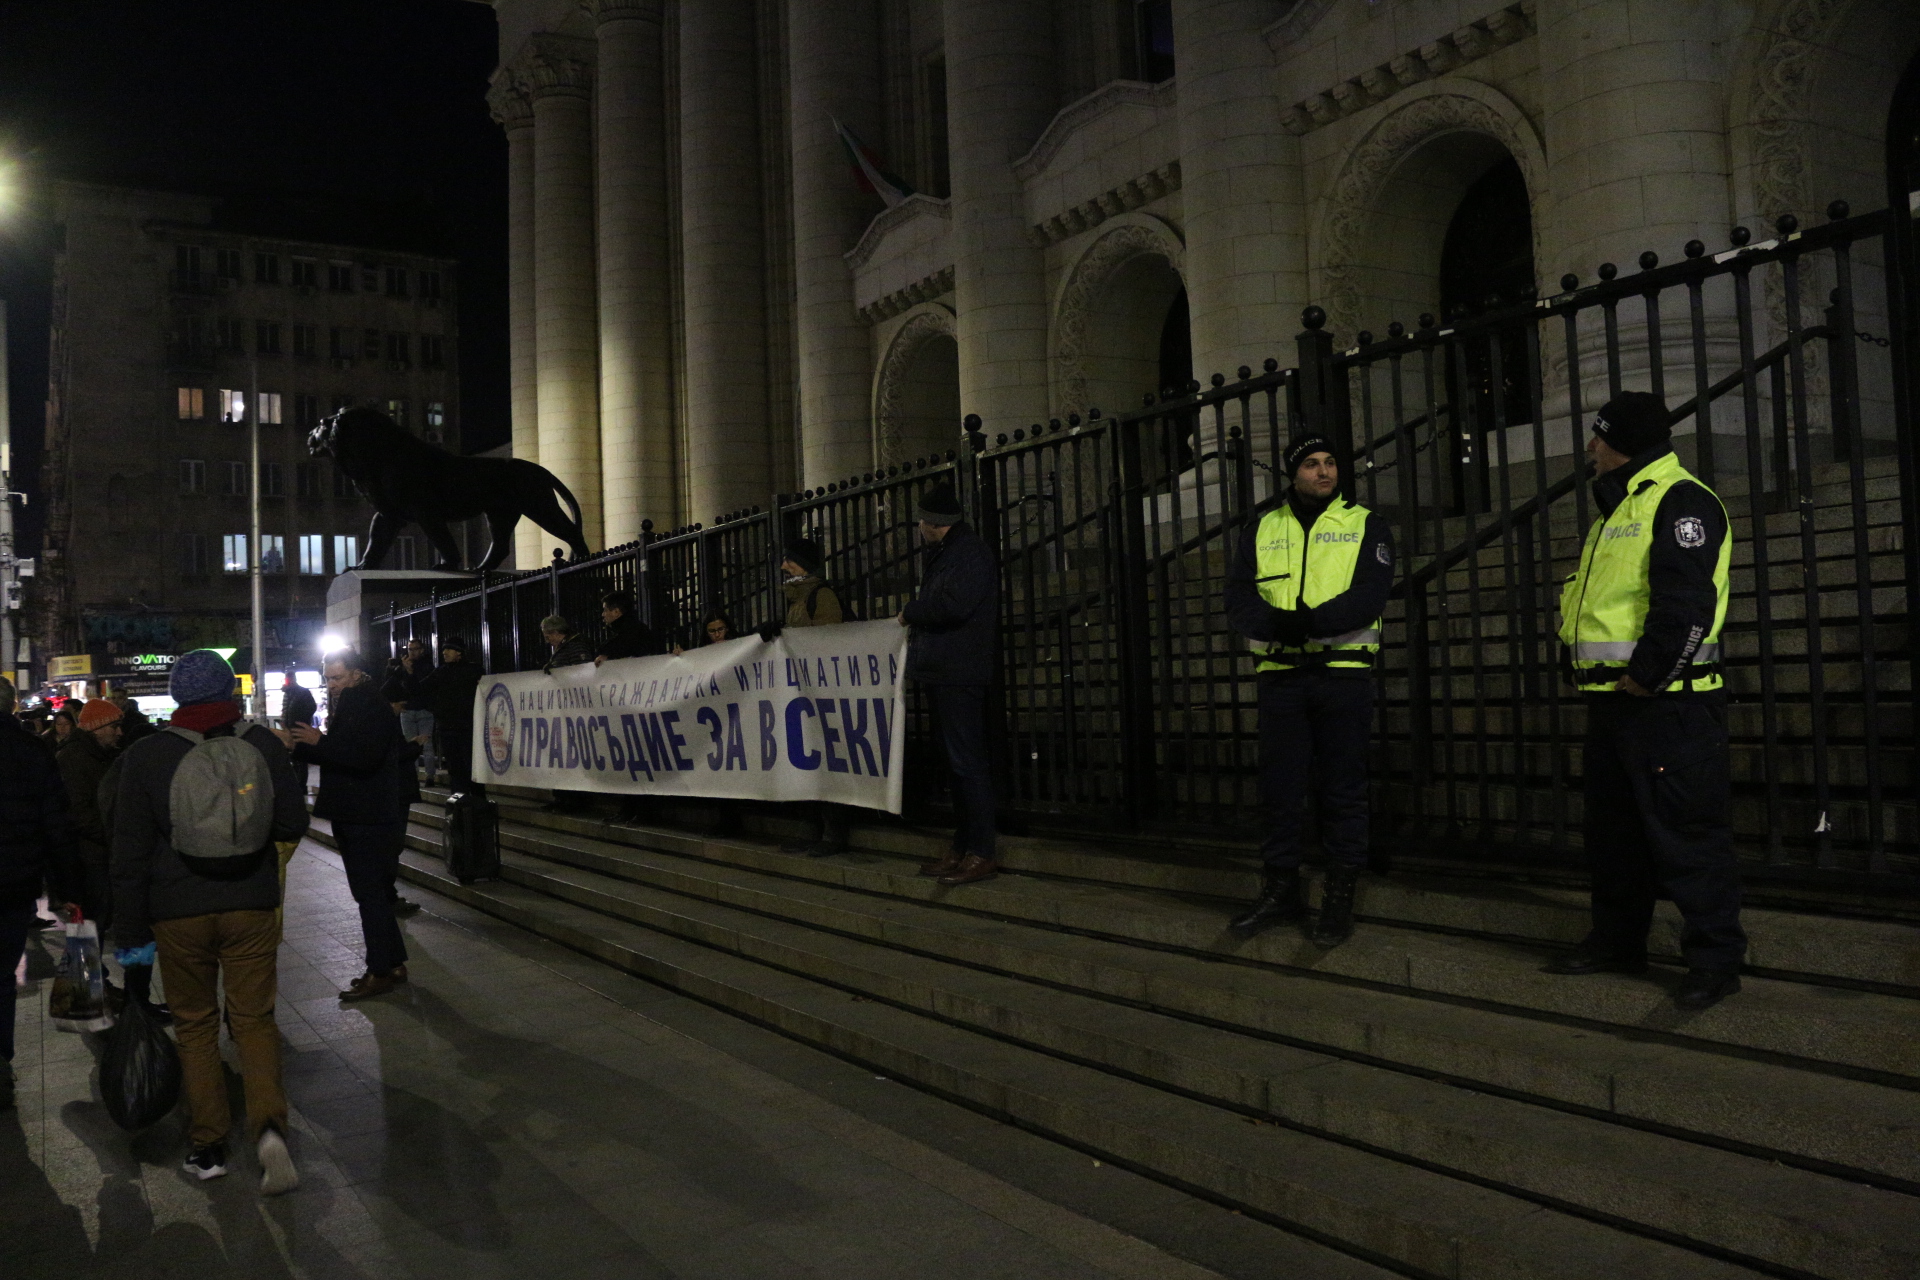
(812, 715)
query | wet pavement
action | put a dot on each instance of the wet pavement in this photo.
(513, 1111)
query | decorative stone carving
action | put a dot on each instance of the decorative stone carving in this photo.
(1376, 84)
(1782, 87)
(556, 64)
(887, 221)
(1113, 250)
(1447, 106)
(1299, 20)
(922, 290)
(508, 101)
(928, 321)
(619, 10)
(1125, 198)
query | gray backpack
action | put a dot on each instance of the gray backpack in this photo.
(221, 801)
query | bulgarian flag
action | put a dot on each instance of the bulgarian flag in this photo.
(868, 171)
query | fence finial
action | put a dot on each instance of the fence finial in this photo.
(1694, 249)
(1838, 210)
(1649, 260)
(1313, 317)
(1739, 237)
(1786, 224)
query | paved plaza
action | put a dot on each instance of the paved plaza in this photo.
(519, 1110)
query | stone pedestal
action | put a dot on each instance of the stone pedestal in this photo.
(354, 597)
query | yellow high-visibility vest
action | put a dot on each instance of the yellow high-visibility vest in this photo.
(1294, 566)
(1603, 608)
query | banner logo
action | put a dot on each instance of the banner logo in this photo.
(497, 730)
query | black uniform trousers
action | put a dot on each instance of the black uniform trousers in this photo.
(1312, 719)
(1656, 820)
(456, 751)
(370, 854)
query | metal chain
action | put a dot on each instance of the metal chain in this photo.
(1864, 336)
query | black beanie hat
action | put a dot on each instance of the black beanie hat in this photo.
(938, 506)
(1632, 421)
(1302, 449)
(806, 553)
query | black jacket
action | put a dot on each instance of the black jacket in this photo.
(366, 768)
(627, 637)
(36, 834)
(448, 693)
(573, 651)
(151, 881)
(298, 706)
(1361, 603)
(402, 685)
(83, 766)
(1681, 597)
(956, 615)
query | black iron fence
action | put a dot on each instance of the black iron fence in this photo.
(1127, 701)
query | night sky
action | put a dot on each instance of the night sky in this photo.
(361, 121)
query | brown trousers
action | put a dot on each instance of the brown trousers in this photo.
(196, 954)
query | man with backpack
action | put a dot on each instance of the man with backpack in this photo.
(196, 812)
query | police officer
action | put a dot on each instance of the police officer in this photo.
(1640, 625)
(1307, 586)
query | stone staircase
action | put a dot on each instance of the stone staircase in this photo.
(1424, 1098)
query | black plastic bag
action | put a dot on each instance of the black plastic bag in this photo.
(140, 1074)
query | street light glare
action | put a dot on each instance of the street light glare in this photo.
(329, 642)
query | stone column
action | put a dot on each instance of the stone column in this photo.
(514, 111)
(1635, 133)
(1000, 95)
(1240, 187)
(833, 68)
(723, 260)
(559, 75)
(637, 479)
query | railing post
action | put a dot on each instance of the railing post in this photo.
(708, 574)
(1135, 633)
(1325, 405)
(776, 544)
(393, 626)
(513, 616)
(553, 581)
(433, 622)
(486, 627)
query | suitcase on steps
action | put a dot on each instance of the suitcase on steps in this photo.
(471, 837)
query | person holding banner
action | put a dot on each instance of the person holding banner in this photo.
(1307, 586)
(955, 622)
(812, 603)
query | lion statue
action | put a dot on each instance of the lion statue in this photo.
(410, 481)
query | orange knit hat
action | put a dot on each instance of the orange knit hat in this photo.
(97, 713)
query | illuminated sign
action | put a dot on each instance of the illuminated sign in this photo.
(70, 666)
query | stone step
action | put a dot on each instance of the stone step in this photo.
(1413, 1217)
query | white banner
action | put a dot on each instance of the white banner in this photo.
(813, 715)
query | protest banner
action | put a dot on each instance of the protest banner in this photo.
(811, 715)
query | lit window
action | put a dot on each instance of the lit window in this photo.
(397, 410)
(313, 553)
(193, 475)
(233, 406)
(235, 485)
(436, 415)
(346, 552)
(233, 553)
(270, 407)
(273, 553)
(193, 404)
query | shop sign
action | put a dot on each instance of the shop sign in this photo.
(70, 666)
(143, 664)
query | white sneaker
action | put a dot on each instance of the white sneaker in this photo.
(277, 1174)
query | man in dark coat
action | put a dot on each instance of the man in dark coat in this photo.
(627, 636)
(36, 842)
(367, 784)
(449, 695)
(955, 621)
(84, 760)
(214, 919)
(297, 707)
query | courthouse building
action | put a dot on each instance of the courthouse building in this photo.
(1106, 197)
(171, 330)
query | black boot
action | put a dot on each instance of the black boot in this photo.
(1335, 924)
(1281, 901)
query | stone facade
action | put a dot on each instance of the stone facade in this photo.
(162, 317)
(1111, 195)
